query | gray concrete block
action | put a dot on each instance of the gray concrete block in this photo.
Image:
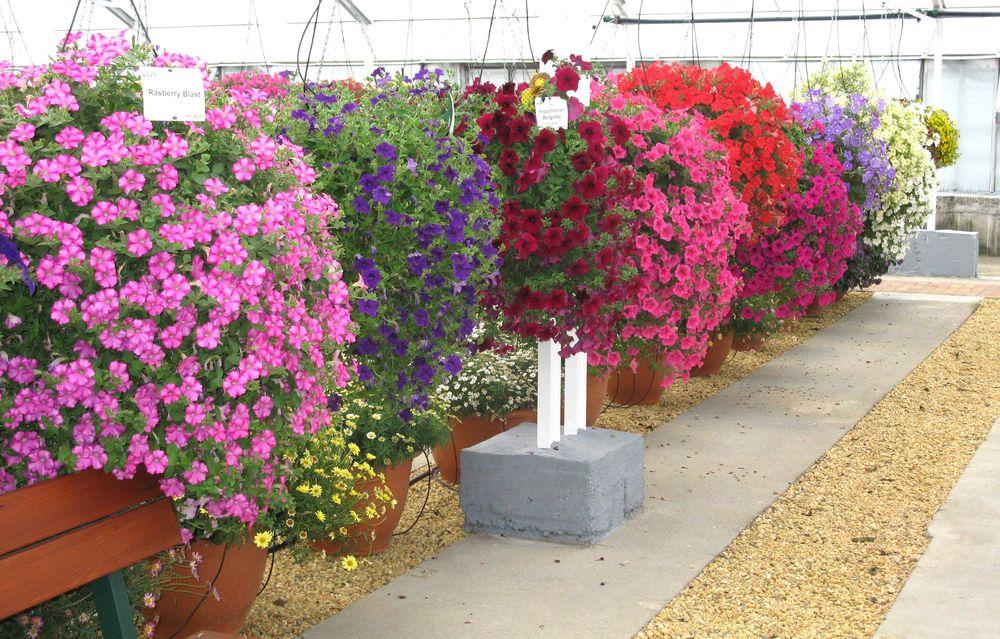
(941, 254)
(576, 492)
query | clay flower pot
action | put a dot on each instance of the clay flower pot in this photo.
(468, 431)
(644, 387)
(814, 309)
(370, 538)
(749, 342)
(715, 357)
(233, 571)
(597, 395)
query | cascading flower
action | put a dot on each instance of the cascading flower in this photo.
(188, 318)
(564, 232)
(786, 270)
(748, 117)
(688, 223)
(849, 125)
(905, 202)
(418, 209)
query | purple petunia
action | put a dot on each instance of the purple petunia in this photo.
(387, 151)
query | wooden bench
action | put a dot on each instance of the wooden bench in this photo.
(81, 529)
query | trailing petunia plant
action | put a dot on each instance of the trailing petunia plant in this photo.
(789, 269)
(849, 124)
(564, 233)
(417, 208)
(173, 303)
(904, 201)
(748, 117)
(688, 223)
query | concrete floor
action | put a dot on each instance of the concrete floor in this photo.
(954, 592)
(709, 473)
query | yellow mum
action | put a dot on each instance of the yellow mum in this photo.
(349, 563)
(528, 99)
(263, 539)
(538, 82)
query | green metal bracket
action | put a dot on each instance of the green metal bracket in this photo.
(114, 610)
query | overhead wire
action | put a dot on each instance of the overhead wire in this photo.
(142, 25)
(20, 34)
(10, 34)
(311, 21)
(604, 12)
(695, 52)
(489, 34)
(748, 43)
(805, 40)
(72, 22)
(527, 30)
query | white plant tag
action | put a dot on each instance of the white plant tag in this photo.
(170, 95)
(582, 92)
(551, 113)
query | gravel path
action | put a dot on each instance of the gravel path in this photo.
(829, 557)
(300, 595)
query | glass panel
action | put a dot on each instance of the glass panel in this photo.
(970, 88)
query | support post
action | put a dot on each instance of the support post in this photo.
(937, 95)
(113, 607)
(549, 385)
(576, 393)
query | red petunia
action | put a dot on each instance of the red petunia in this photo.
(575, 209)
(567, 79)
(520, 128)
(509, 162)
(590, 131)
(545, 141)
(590, 187)
(582, 161)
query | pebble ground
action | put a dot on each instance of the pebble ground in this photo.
(828, 558)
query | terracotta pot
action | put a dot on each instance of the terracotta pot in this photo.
(715, 357)
(597, 396)
(749, 342)
(468, 431)
(369, 538)
(234, 570)
(644, 387)
(814, 309)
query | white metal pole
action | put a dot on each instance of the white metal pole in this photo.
(576, 393)
(936, 98)
(549, 372)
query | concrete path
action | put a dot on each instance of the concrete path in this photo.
(954, 592)
(709, 473)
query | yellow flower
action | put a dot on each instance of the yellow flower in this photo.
(538, 82)
(376, 416)
(528, 99)
(335, 499)
(349, 563)
(320, 515)
(370, 435)
(354, 448)
(263, 539)
(316, 490)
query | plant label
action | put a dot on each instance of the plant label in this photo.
(172, 95)
(551, 113)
